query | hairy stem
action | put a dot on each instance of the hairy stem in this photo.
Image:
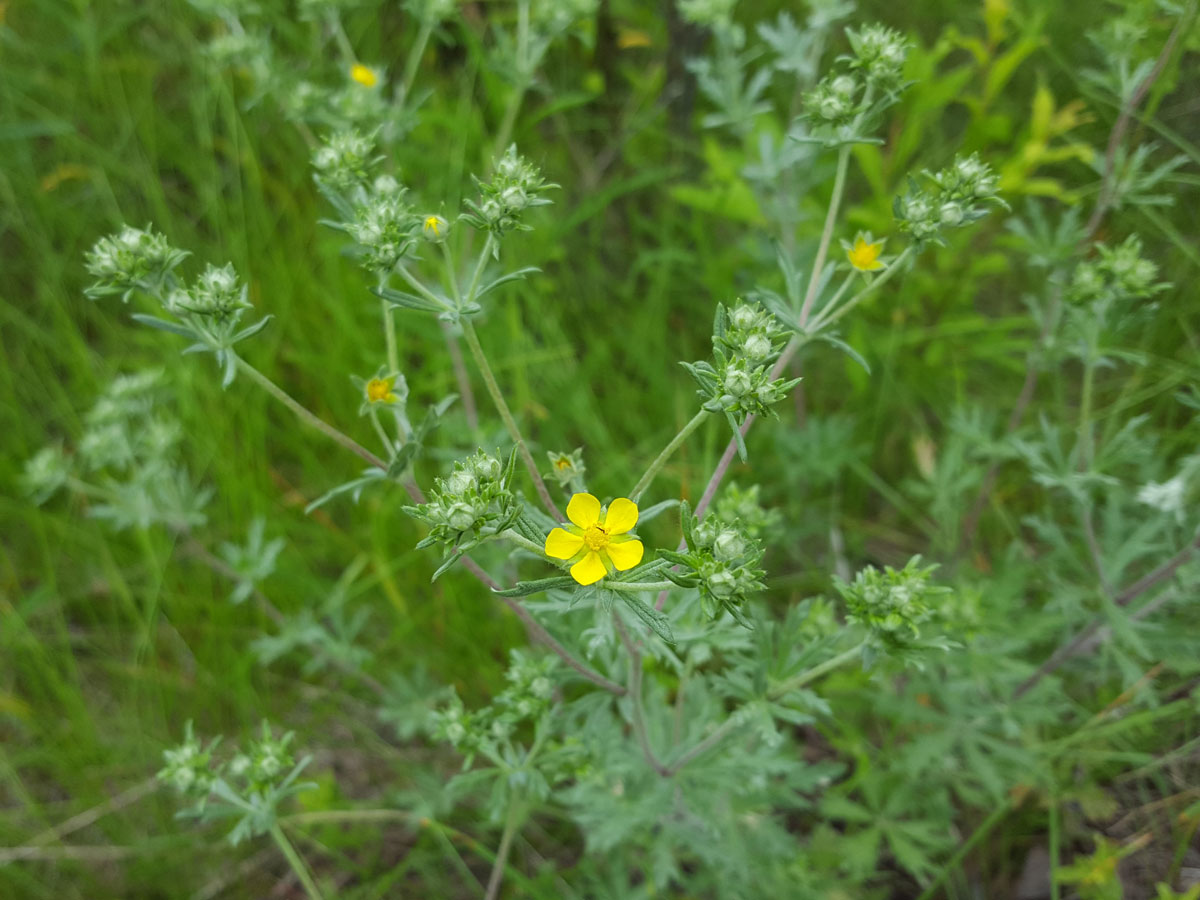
(635, 698)
(309, 417)
(510, 423)
(676, 442)
(506, 839)
(296, 862)
(835, 202)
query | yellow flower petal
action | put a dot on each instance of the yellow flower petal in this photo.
(584, 511)
(562, 544)
(622, 516)
(626, 554)
(591, 568)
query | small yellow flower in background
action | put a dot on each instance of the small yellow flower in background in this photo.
(597, 541)
(434, 227)
(364, 75)
(379, 390)
(864, 253)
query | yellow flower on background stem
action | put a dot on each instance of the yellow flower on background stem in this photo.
(864, 253)
(597, 541)
(379, 390)
(364, 75)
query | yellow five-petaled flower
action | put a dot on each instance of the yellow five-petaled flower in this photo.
(379, 390)
(364, 75)
(597, 541)
(864, 253)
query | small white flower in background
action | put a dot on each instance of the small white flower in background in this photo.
(1166, 497)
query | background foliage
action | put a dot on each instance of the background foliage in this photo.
(946, 780)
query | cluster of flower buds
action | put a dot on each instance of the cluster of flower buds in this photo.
(526, 699)
(961, 195)
(344, 160)
(385, 227)
(743, 506)
(893, 603)
(133, 259)
(474, 502)
(260, 766)
(722, 559)
(189, 767)
(131, 446)
(515, 187)
(879, 54)
(1116, 273)
(862, 82)
(746, 342)
(216, 294)
(833, 101)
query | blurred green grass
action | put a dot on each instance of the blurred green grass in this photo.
(109, 114)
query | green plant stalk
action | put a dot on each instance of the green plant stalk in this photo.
(414, 60)
(456, 359)
(380, 433)
(296, 862)
(829, 315)
(529, 545)
(506, 839)
(403, 430)
(791, 684)
(479, 266)
(635, 587)
(984, 829)
(635, 698)
(309, 417)
(510, 423)
(644, 482)
(835, 202)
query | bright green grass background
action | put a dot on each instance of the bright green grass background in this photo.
(108, 643)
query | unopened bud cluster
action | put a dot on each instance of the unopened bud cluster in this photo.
(515, 187)
(188, 768)
(344, 160)
(746, 343)
(892, 603)
(132, 447)
(217, 293)
(1116, 273)
(132, 259)
(879, 53)
(863, 81)
(473, 502)
(527, 698)
(961, 194)
(722, 559)
(385, 227)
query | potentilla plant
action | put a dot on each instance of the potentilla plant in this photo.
(660, 705)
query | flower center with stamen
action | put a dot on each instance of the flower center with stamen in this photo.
(596, 538)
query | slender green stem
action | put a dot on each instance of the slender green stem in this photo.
(296, 862)
(529, 545)
(506, 839)
(635, 698)
(307, 416)
(403, 429)
(480, 266)
(816, 672)
(380, 433)
(984, 829)
(1085, 411)
(452, 273)
(420, 288)
(635, 587)
(506, 414)
(835, 202)
(779, 690)
(414, 60)
(829, 314)
(660, 460)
